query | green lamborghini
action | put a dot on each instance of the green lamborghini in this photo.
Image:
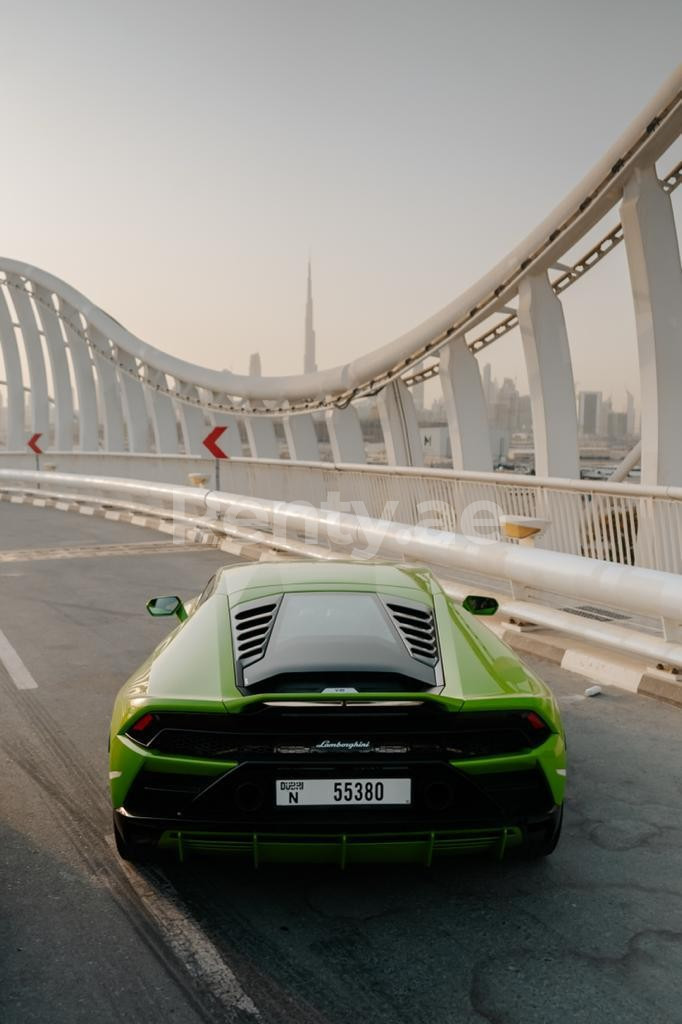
(336, 712)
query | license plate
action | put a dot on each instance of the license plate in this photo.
(341, 792)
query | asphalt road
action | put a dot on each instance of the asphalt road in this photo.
(593, 934)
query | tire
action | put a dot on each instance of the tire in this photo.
(543, 842)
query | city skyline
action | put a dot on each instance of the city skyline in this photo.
(624, 398)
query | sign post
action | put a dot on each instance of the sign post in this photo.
(211, 442)
(33, 445)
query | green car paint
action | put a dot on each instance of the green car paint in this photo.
(193, 672)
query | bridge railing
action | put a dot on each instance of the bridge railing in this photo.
(625, 523)
(544, 588)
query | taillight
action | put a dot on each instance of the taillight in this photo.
(535, 728)
(535, 721)
(144, 728)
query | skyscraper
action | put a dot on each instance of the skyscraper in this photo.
(488, 385)
(603, 420)
(629, 413)
(309, 364)
(590, 413)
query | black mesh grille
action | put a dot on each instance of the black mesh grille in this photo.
(163, 793)
(517, 793)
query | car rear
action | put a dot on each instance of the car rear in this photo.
(354, 714)
(356, 778)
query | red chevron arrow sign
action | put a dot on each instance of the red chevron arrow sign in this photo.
(33, 445)
(211, 442)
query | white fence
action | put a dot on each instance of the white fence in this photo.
(623, 523)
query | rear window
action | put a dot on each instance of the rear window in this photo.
(333, 617)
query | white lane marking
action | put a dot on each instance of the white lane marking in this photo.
(18, 673)
(191, 946)
(151, 547)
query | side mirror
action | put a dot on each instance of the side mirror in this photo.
(476, 604)
(167, 606)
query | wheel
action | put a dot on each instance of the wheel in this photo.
(542, 840)
(134, 852)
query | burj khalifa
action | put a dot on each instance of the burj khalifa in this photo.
(309, 364)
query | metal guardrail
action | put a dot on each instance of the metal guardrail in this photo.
(640, 591)
(616, 522)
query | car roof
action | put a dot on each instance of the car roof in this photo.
(240, 581)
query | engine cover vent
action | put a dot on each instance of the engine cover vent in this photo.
(251, 628)
(415, 624)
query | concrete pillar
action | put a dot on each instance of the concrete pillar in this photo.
(260, 431)
(38, 403)
(656, 277)
(345, 435)
(88, 431)
(550, 378)
(134, 406)
(465, 407)
(109, 392)
(61, 379)
(301, 438)
(161, 413)
(192, 421)
(399, 425)
(15, 440)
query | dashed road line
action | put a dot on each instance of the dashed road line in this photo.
(190, 944)
(18, 673)
(94, 551)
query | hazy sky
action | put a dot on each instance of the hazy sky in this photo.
(178, 161)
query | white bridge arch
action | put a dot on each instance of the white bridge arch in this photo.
(126, 395)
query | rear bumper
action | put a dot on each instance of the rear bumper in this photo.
(453, 810)
(418, 846)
